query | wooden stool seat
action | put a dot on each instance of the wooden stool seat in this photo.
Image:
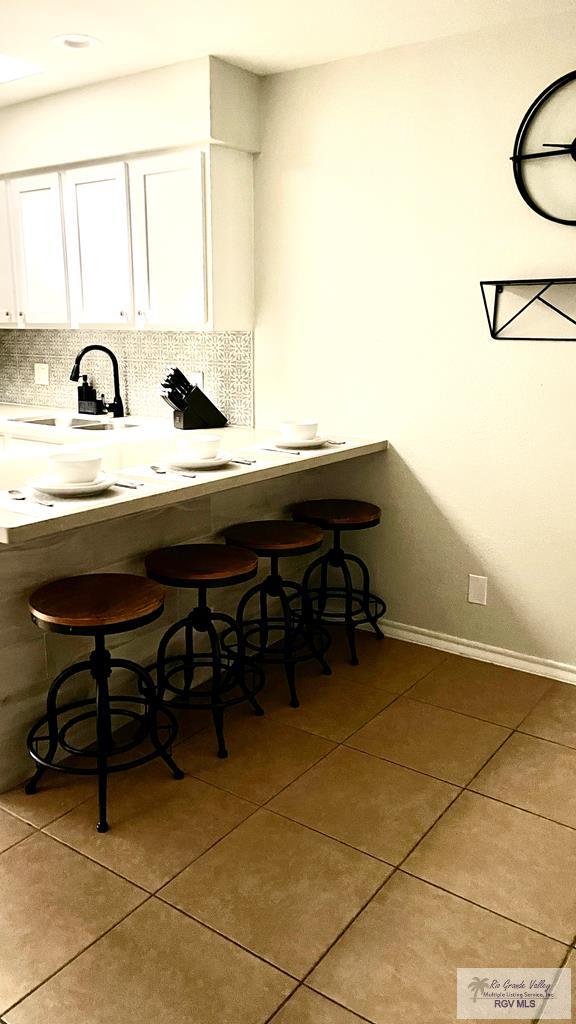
(273, 538)
(97, 605)
(207, 565)
(232, 680)
(107, 602)
(283, 632)
(337, 514)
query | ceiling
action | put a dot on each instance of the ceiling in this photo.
(265, 36)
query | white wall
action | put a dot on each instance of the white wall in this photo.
(186, 103)
(384, 194)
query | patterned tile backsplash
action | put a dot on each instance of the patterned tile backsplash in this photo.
(226, 360)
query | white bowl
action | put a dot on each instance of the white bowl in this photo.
(77, 468)
(298, 430)
(199, 445)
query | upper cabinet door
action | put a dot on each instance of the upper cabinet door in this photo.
(98, 245)
(168, 213)
(36, 209)
(7, 294)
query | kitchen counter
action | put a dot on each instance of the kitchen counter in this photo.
(114, 532)
(128, 453)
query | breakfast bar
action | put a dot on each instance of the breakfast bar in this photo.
(113, 531)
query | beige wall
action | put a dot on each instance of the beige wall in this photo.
(384, 195)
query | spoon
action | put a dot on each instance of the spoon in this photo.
(165, 472)
(282, 451)
(20, 496)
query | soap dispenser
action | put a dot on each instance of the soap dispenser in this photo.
(87, 400)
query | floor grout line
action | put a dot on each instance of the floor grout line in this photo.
(270, 1019)
(12, 846)
(158, 891)
(407, 767)
(326, 835)
(466, 714)
(78, 954)
(335, 1002)
(524, 810)
(111, 871)
(544, 739)
(349, 924)
(58, 816)
(322, 995)
(539, 1018)
(234, 942)
(257, 807)
(534, 706)
(487, 910)
(488, 760)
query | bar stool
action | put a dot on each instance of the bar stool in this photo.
(203, 567)
(298, 638)
(99, 605)
(355, 606)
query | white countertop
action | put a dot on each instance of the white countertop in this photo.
(128, 453)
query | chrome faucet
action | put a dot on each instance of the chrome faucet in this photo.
(116, 407)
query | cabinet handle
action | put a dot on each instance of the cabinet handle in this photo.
(123, 313)
(6, 313)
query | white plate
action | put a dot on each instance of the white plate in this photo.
(311, 442)
(62, 490)
(185, 462)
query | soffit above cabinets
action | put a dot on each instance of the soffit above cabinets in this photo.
(187, 104)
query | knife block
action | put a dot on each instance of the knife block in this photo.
(200, 413)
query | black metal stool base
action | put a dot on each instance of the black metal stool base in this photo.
(235, 678)
(348, 605)
(287, 639)
(53, 730)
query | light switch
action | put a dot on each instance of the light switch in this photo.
(477, 589)
(41, 373)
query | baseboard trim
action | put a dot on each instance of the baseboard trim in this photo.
(483, 652)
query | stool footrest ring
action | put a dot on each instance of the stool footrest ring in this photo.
(166, 724)
(202, 697)
(364, 611)
(275, 654)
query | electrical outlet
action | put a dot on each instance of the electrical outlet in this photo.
(477, 589)
(41, 373)
(196, 378)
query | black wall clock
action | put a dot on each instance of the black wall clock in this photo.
(545, 166)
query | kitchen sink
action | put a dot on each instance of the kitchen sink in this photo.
(48, 422)
(74, 424)
(101, 426)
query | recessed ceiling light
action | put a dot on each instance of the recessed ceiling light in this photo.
(12, 68)
(76, 41)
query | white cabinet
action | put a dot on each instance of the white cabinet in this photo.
(98, 245)
(36, 219)
(159, 242)
(168, 211)
(8, 311)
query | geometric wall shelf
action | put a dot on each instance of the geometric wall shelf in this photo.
(531, 310)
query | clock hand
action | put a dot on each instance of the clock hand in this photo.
(538, 156)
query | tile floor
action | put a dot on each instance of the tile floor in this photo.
(416, 814)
